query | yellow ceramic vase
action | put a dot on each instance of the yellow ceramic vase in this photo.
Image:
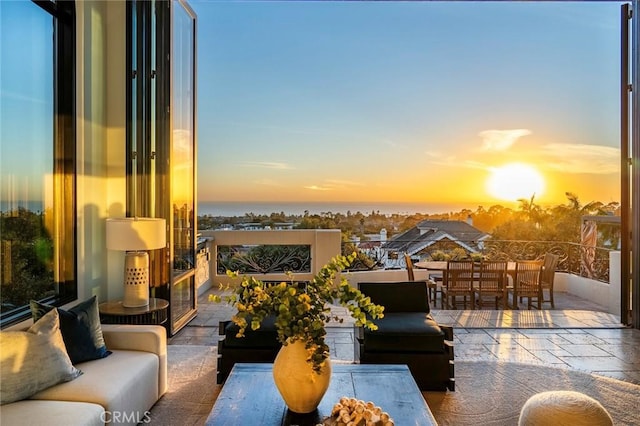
(301, 388)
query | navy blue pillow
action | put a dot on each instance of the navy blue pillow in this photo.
(80, 327)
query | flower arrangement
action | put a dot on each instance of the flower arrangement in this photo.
(301, 308)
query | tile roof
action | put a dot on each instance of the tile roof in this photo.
(429, 232)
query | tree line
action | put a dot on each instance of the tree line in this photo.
(529, 221)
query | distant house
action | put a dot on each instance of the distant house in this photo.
(437, 234)
(279, 226)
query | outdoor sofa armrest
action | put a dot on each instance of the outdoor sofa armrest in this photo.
(145, 338)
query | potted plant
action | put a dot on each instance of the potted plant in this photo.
(301, 311)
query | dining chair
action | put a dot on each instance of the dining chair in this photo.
(492, 280)
(548, 275)
(409, 263)
(527, 284)
(432, 285)
(458, 281)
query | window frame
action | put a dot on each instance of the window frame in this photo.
(64, 159)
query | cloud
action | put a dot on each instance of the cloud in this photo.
(434, 154)
(317, 188)
(472, 164)
(501, 140)
(267, 165)
(333, 184)
(453, 161)
(580, 158)
(338, 182)
(267, 182)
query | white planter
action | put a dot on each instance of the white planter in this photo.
(301, 388)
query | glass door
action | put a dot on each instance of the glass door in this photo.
(183, 172)
(162, 143)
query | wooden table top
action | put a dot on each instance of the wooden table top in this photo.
(441, 265)
(433, 265)
(250, 397)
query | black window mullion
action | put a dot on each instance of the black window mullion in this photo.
(139, 106)
(65, 145)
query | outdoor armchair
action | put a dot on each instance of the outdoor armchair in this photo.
(259, 345)
(407, 334)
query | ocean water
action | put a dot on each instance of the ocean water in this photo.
(236, 208)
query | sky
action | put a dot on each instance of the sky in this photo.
(408, 101)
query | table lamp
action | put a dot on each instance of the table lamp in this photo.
(135, 235)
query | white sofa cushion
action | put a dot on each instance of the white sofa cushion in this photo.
(125, 384)
(48, 413)
(147, 338)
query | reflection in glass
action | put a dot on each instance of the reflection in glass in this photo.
(182, 173)
(181, 298)
(27, 225)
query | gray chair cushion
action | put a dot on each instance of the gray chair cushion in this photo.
(405, 332)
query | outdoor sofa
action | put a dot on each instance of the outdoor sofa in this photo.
(118, 389)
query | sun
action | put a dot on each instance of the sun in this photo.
(514, 181)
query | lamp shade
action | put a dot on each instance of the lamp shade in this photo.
(136, 233)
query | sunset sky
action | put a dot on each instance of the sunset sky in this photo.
(408, 101)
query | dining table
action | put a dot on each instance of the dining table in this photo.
(436, 270)
(441, 266)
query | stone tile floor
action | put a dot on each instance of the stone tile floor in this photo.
(577, 335)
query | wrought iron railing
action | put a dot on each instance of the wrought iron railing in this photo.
(251, 253)
(586, 261)
(264, 259)
(578, 259)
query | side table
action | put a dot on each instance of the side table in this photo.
(155, 313)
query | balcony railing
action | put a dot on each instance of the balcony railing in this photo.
(585, 261)
(273, 253)
(263, 259)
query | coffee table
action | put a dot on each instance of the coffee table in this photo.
(250, 397)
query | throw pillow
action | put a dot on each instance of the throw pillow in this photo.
(33, 360)
(80, 327)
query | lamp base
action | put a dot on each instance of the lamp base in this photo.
(136, 279)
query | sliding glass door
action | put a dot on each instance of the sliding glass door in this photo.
(161, 143)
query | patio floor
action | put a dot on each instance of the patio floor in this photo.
(577, 334)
